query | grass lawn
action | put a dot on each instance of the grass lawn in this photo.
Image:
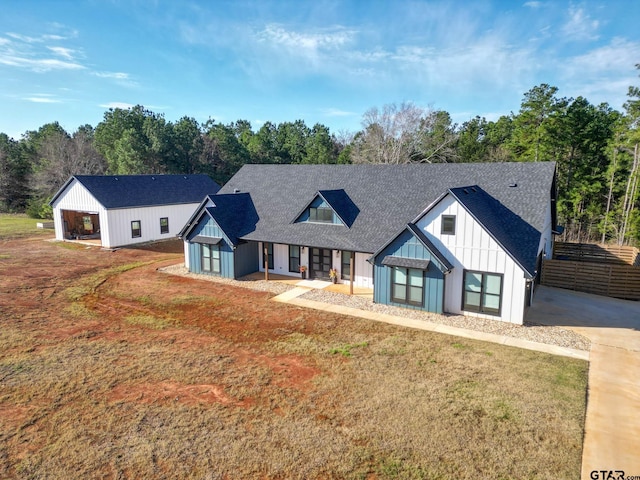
(110, 369)
(17, 226)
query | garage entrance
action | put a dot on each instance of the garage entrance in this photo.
(80, 225)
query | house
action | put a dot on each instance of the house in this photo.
(120, 210)
(445, 238)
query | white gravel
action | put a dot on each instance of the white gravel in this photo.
(533, 332)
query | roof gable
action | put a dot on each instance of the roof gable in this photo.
(517, 237)
(444, 264)
(233, 213)
(125, 191)
(338, 201)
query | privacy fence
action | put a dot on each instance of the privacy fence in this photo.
(609, 270)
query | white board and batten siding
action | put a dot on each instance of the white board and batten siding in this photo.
(363, 269)
(119, 221)
(472, 248)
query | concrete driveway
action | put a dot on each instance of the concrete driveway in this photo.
(612, 426)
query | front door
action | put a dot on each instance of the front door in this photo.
(320, 263)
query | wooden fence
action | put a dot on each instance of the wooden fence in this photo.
(589, 252)
(619, 281)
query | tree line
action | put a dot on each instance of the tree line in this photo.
(595, 147)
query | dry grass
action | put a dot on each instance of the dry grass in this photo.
(159, 377)
(20, 226)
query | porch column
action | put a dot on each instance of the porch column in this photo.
(265, 258)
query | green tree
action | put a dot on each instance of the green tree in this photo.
(15, 169)
(535, 124)
(188, 147)
(321, 147)
(224, 154)
(134, 141)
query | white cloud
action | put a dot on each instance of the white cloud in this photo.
(620, 55)
(26, 52)
(42, 98)
(533, 4)
(112, 75)
(63, 52)
(23, 38)
(121, 105)
(39, 65)
(580, 26)
(603, 74)
(315, 47)
(326, 39)
(336, 112)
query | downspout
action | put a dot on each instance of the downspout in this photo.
(352, 271)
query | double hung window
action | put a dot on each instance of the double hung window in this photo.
(136, 229)
(164, 225)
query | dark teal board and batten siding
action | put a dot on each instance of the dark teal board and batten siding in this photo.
(408, 246)
(209, 228)
(247, 259)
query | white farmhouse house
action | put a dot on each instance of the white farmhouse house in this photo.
(119, 210)
(445, 238)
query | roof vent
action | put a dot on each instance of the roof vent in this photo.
(236, 190)
(513, 185)
(116, 179)
(473, 189)
(465, 191)
(153, 178)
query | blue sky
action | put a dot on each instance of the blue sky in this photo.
(320, 61)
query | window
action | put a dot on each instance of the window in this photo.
(448, 225)
(136, 230)
(320, 214)
(482, 292)
(210, 258)
(407, 286)
(345, 267)
(294, 258)
(269, 247)
(164, 225)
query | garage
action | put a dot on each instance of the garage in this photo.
(118, 210)
(81, 225)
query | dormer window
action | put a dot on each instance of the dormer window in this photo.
(448, 225)
(320, 214)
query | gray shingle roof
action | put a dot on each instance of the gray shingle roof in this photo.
(123, 191)
(387, 197)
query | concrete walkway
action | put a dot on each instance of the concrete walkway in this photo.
(612, 426)
(292, 297)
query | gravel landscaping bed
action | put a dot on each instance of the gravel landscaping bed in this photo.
(533, 332)
(260, 285)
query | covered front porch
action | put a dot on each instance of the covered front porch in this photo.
(342, 288)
